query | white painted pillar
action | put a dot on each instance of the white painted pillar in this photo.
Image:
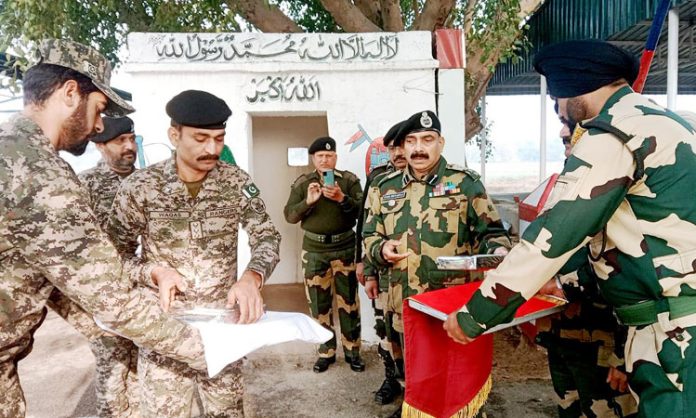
(672, 59)
(484, 140)
(542, 131)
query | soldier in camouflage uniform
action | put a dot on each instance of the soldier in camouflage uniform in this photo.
(327, 214)
(431, 209)
(585, 343)
(622, 191)
(186, 211)
(49, 236)
(376, 284)
(116, 357)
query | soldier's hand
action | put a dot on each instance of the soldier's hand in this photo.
(371, 288)
(246, 293)
(313, 193)
(501, 251)
(333, 192)
(168, 281)
(617, 379)
(390, 251)
(454, 331)
(551, 288)
(359, 269)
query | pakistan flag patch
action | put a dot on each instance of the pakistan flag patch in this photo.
(250, 190)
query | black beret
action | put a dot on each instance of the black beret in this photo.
(575, 68)
(198, 109)
(391, 134)
(423, 121)
(114, 127)
(325, 143)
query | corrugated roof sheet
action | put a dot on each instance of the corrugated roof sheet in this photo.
(623, 22)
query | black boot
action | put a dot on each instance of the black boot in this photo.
(356, 363)
(323, 363)
(391, 388)
(400, 371)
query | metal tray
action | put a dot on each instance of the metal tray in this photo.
(201, 314)
(469, 262)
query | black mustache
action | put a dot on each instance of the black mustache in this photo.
(128, 153)
(419, 155)
(208, 157)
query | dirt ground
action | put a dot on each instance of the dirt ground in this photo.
(58, 380)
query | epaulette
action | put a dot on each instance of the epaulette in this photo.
(301, 178)
(379, 167)
(389, 176)
(469, 172)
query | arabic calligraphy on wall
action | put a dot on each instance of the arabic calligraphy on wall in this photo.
(228, 47)
(286, 88)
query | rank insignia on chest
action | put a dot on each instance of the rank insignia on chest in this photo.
(444, 189)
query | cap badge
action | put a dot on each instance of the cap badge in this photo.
(328, 146)
(89, 68)
(425, 120)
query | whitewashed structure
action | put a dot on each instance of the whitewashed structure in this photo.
(285, 90)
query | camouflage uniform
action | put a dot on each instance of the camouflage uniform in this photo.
(50, 237)
(583, 342)
(198, 237)
(328, 256)
(430, 223)
(116, 357)
(389, 343)
(624, 193)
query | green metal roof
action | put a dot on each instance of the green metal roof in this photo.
(625, 23)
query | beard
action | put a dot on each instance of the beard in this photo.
(577, 110)
(73, 133)
(126, 162)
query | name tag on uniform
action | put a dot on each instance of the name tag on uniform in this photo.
(220, 213)
(170, 215)
(393, 196)
(196, 230)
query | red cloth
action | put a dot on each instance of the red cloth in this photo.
(442, 376)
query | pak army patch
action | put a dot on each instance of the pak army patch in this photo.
(257, 205)
(250, 190)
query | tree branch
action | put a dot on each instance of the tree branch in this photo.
(349, 17)
(433, 15)
(370, 9)
(265, 16)
(391, 16)
(469, 15)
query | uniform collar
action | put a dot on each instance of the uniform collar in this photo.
(105, 169)
(175, 185)
(25, 125)
(432, 178)
(337, 173)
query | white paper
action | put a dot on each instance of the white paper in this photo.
(226, 343)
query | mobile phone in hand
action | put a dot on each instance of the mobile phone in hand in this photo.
(329, 178)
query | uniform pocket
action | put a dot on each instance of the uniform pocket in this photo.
(445, 213)
(392, 212)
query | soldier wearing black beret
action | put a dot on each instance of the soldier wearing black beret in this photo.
(327, 203)
(376, 284)
(188, 210)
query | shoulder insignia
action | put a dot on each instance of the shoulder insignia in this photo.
(469, 172)
(389, 176)
(257, 205)
(250, 190)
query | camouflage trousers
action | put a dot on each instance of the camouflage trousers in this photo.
(168, 389)
(581, 385)
(11, 396)
(388, 337)
(117, 377)
(327, 273)
(661, 361)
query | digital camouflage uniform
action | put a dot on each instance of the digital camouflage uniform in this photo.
(632, 203)
(583, 342)
(197, 237)
(50, 237)
(328, 256)
(446, 213)
(116, 357)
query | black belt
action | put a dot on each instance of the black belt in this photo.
(328, 239)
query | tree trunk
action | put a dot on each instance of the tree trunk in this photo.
(391, 16)
(349, 17)
(433, 15)
(266, 17)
